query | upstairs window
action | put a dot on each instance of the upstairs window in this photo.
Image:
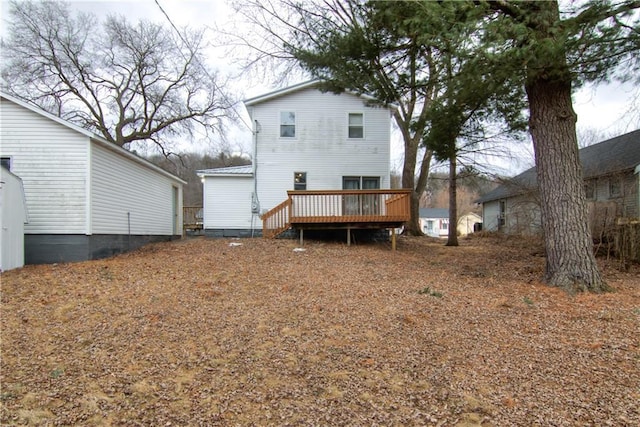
(287, 124)
(615, 187)
(356, 125)
(590, 190)
(299, 180)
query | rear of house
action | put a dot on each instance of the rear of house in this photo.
(87, 198)
(303, 139)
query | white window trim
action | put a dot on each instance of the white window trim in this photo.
(295, 125)
(364, 128)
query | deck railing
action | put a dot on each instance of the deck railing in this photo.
(337, 207)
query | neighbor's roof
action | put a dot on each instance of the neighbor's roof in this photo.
(434, 213)
(246, 170)
(298, 87)
(614, 155)
(92, 136)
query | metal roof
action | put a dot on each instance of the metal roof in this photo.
(231, 170)
(614, 155)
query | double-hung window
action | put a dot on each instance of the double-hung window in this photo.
(287, 124)
(356, 125)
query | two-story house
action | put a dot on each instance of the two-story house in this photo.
(321, 159)
(611, 172)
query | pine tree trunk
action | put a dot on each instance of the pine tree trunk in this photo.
(452, 237)
(571, 263)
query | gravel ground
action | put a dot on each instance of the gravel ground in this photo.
(257, 332)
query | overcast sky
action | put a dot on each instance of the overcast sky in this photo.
(604, 108)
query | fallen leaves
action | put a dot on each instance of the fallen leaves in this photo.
(212, 332)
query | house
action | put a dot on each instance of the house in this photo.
(87, 198)
(434, 222)
(13, 216)
(320, 160)
(611, 172)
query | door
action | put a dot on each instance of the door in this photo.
(365, 204)
(350, 203)
(370, 202)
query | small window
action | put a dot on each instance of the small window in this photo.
(590, 190)
(6, 162)
(299, 180)
(615, 187)
(444, 225)
(287, 124)
(356, 125)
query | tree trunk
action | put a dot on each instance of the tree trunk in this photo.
(571, 263)
(411, 145)
(452, 237)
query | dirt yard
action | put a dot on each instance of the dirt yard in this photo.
(256, 332)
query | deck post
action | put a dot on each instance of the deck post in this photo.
(348, 236)
(393, 239)
(302, 237)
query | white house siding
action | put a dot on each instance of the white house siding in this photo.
(129, 198)
(227, 203)
(490, 215)
(13, 215)
(321, 147)
(51, 160)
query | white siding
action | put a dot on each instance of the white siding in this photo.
(227, 203)
(51, 160)
(321, 147)
(490, 215)
(12, 219)
(127, 194)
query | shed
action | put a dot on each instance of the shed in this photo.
(13, 216)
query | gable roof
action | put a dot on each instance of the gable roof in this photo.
(97, 139)
(434, 213)
(298, 87)
(614, 155)
(245, 170)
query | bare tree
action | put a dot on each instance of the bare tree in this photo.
(125, 82)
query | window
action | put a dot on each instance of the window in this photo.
(615, 187)
(502, 215)
(590, 190)
(287, 124)
(356, 125)
(299, 180)
(6, 162)
(444, 225)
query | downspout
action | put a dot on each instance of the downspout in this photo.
(255, 201)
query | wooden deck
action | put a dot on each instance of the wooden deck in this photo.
(192, 218)
(338, 209)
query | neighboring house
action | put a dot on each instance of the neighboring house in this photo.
(13, 216)
(87, 198)
(611, 171)
(303, 139)
(434, 222)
